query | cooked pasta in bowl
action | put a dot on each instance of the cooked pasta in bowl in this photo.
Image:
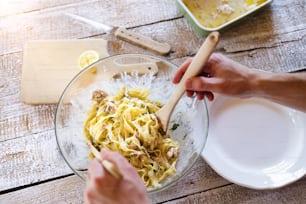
(111, 104)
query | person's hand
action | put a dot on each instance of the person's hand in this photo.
(219, 75)
(102, 187)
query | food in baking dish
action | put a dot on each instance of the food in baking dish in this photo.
(214, 13)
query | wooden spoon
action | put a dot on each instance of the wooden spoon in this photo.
(194, 69)
(110, 167)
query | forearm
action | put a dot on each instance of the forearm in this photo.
(284, 88)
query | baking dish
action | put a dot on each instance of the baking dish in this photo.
(205, 30)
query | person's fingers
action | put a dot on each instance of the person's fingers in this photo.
(100, 179)
(202, 94)
(90, 196)
(128, 172)
(209, 95)
(87, 194)
(120, 162)
(87, 197)
(207, 69)
(92, 191)
(189, 93)
(180, 72)
(201, 84)
(95, 169)
(114, 157)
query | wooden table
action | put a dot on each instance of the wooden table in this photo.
(31, 167)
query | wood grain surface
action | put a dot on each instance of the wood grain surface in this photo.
(31, 167)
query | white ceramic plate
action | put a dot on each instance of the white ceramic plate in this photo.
(256, 143)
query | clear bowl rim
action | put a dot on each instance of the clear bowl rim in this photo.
(60, 101)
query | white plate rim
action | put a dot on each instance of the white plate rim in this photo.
(215, 164)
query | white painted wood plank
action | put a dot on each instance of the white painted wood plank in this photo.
(293, 194)
(30, 159)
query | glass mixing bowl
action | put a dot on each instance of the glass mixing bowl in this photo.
(188, 124)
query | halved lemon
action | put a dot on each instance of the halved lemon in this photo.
(87, 58)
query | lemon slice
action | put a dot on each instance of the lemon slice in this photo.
(87, 58)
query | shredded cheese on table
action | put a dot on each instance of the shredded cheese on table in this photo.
(126, 123)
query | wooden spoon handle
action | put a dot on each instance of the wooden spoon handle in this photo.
(197, 63)
(194, 69)
(110, 167)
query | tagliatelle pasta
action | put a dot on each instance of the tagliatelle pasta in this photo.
(126, 123)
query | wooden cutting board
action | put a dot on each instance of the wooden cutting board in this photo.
(49, 65)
